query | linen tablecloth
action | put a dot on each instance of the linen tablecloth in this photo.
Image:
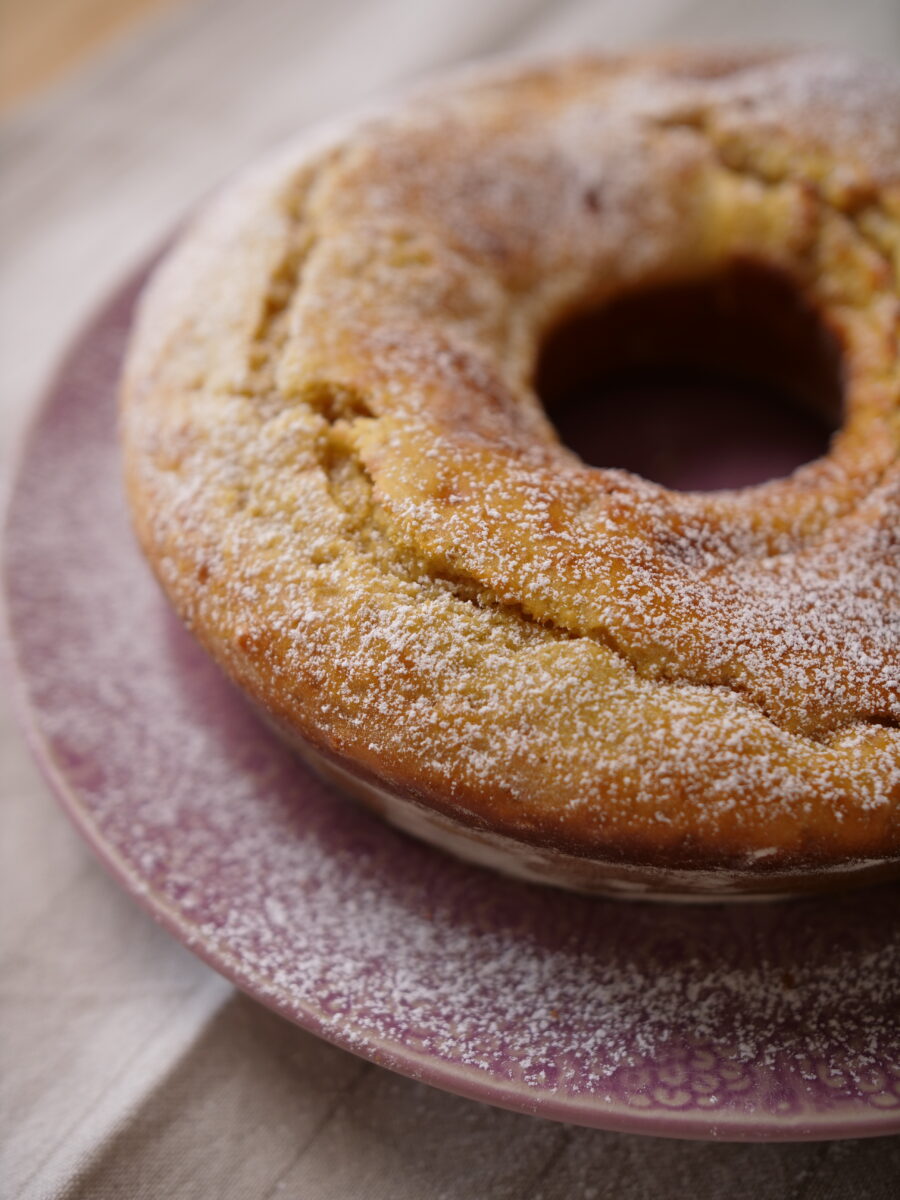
(131, 1069)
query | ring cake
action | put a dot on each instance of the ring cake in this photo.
(342, 468)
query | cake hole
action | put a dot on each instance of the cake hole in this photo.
(716, 383)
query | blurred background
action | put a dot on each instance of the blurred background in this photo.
(116, 117)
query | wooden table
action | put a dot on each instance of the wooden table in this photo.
(134, 1071)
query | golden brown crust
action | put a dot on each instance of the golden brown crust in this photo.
(342, 476)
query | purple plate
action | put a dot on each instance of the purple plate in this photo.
(739, 1022)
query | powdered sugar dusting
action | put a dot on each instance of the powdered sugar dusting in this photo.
(739, 1021)
(370, 523)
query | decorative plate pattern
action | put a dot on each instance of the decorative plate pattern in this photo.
(740, 1022)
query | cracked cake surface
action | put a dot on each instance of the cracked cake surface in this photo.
(343, 476)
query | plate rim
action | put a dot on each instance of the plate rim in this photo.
(469, 1082)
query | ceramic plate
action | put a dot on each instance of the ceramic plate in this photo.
(763, 1022)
